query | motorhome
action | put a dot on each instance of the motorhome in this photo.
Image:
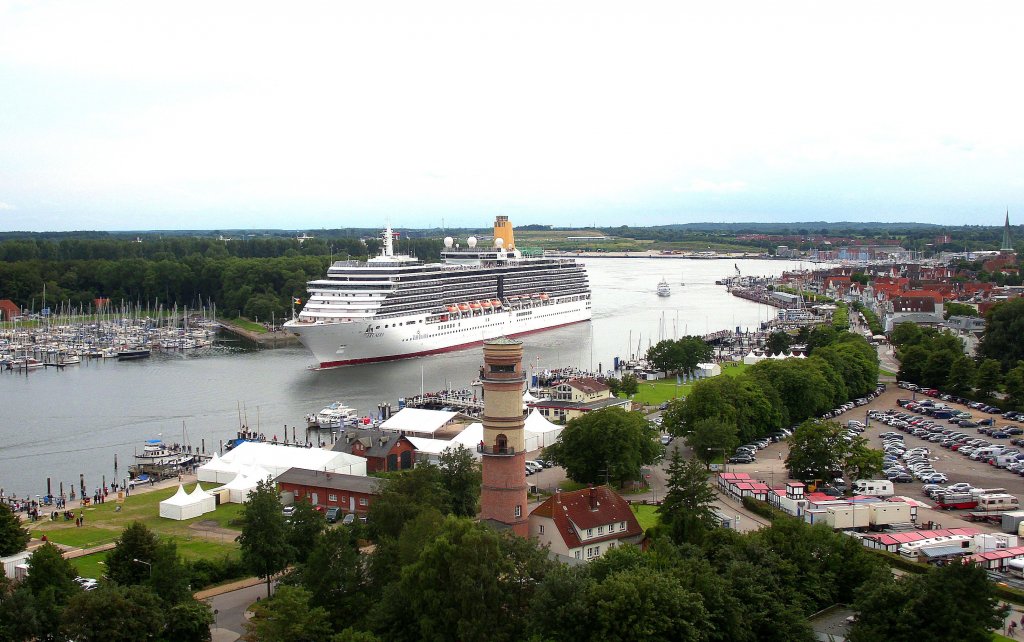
(873, 487)
(998, 502)
(915, 551)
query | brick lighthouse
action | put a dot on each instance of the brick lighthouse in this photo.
(503, 495)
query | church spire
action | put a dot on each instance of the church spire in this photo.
(1007, 243)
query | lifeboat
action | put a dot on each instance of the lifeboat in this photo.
(485, 304)
(543, 296)
(464, 306)
(474, 305)
(534, 296)
(495, 303)
(452, 308)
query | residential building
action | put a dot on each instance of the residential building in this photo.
(583, 525)
(350, 493)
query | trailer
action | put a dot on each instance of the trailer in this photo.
(991, 518)
(958, 501)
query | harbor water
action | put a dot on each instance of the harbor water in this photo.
(60, 424)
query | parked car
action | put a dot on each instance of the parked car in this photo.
(332, 514)
(741, 459)
(349, 519)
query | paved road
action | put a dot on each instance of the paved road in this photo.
(230, 619)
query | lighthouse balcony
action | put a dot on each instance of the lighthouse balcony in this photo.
(506, 451)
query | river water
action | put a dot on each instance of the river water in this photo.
(62, 424)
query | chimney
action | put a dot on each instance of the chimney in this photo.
(558, 495)
(593, 498)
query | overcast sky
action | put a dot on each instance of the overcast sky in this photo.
(183, 115)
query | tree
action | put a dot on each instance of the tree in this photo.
(1014, 384)
(113, 613)
(49, 571)
(629, 384)
(264, 539)
(816, 450)
(334, 575)
(459, 581)
(289, 617)
(987, 378)
(606, 444)
(404, 496)
(802, 390)
(952, 602)
(13, 536)
(1004, 326)
(461, 477)
(862, 462)
(711, 437)
(912, 364)
(937, 367)
(189, 621)
(680, 355)
(740, 400)
(777, 342)
(306, 523)
(905, 335)
(960, 381)
(687, 512)
(136, 542)
(954, 309)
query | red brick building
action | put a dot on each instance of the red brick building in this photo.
(350, 493)
(384, 451)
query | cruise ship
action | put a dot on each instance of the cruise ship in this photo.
(394, 306)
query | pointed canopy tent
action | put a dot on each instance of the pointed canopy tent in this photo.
(183, 506)
(206, 502)
(751, 358)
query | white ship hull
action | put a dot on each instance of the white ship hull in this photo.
(349, 343)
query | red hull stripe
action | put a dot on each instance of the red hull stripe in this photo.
(461, 346)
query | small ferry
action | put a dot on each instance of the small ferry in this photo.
(664, 289)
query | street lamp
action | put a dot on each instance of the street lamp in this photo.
(149, 564)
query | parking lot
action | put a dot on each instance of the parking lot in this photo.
(957, 467)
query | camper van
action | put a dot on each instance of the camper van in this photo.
(986, 453)
(873, 487)
(997, 502)
(915, 550)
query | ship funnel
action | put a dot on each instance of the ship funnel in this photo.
(503, 231)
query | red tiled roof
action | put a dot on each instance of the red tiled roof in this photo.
(588, 385)
(575, 509)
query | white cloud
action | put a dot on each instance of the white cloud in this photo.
(6, 206)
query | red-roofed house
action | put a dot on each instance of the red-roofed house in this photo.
(584, 524)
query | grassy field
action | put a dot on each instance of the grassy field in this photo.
(646, 515)
(104, 523)
(246, 324)
(653, 393)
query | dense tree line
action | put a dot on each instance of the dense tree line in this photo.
(249, 277)
(606, 445)
(679, 355)
(777, 393)
(936, 359)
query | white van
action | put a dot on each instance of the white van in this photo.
(988, 452)
(873, 487)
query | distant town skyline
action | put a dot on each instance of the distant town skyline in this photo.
(136, 116)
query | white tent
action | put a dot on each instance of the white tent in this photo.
(470, 438)
(217, 470)
(184, 506)
(207, 502)
(419, 421)
(540, 433)
(244, 483)
(751, 358)
(277, 458)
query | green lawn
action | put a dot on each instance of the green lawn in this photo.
(104, 523)
(246, 324)
(91, 565)
(653, 393)
(646, 515)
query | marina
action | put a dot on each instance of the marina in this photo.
(72, 421)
